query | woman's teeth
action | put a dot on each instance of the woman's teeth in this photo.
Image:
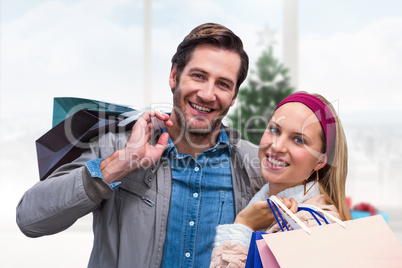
(277, 163)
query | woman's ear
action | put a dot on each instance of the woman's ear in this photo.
(321, 162)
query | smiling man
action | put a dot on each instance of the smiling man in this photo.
(203, 95)
(157, 198)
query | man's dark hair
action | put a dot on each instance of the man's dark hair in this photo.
(215, 35)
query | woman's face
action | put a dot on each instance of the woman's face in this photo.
(291, 146)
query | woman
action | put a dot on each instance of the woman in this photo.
(303, 157)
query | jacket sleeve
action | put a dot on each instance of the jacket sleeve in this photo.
(229, 255)
(231, 245)
(54, 204)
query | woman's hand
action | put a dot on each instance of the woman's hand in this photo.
(258, 215)
(291, 204)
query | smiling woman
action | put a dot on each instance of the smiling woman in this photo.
(303, 157)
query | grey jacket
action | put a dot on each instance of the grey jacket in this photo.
(129, 223)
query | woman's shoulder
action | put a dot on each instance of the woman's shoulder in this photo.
(321, 202)
(317, 200)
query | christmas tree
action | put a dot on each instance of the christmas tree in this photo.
(267, 86)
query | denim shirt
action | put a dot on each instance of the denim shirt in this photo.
(202, 198)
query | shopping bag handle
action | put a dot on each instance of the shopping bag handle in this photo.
(314, 214)
(295, 222)
(132, 116)
(323, 212)
(275, 210)
(289, 216)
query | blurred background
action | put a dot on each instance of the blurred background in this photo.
(119, 51)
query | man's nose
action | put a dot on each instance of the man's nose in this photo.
(207, 92)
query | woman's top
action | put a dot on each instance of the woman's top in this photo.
(232, 240)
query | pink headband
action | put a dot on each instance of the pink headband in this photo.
(322, 112)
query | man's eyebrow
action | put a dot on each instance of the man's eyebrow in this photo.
(196, 69)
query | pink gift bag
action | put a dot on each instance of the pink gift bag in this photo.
(365, 242)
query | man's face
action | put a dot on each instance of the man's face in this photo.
(206, 89)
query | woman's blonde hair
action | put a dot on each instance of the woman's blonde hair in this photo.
(332, 177)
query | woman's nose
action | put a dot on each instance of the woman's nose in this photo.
(279, 144)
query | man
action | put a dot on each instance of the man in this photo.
(156, 198)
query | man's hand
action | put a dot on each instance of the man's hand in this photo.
(138, 152)
(138, 149)
(259, 215)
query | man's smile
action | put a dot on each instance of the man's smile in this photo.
(200, 108)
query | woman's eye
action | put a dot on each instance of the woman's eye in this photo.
(273, 130)
(299, 140)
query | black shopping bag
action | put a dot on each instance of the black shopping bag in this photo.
(67, 140)
(64, 107)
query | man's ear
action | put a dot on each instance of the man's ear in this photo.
(233, 102)
(173, 78)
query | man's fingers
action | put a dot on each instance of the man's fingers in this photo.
(147, 115)
(162, 142)
(157, 114)
(163, 117)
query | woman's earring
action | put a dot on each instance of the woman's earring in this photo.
(305, 182)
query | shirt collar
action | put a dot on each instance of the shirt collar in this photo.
(222, 143)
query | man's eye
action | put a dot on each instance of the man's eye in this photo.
(223, 84)
(198, 76)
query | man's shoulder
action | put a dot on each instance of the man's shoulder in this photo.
(246, 152)
(247, 147)
(244, 146)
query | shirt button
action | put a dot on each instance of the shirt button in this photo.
(187, 254)
(191, 223)
(196, 169)
(195, 195)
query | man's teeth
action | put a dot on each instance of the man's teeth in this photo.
(200, 108)
(276, 162)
